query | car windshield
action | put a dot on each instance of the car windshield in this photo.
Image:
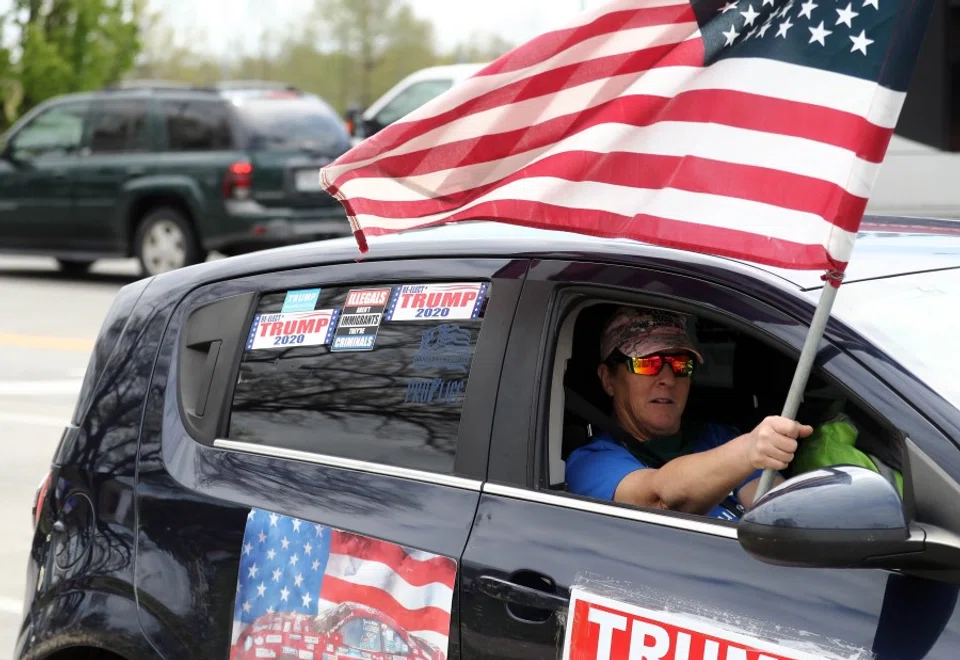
(283, 124)
(913, 318)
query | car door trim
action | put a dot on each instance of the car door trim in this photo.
(350, 464)
(664, 520)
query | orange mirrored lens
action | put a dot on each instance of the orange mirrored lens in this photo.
(682, 365)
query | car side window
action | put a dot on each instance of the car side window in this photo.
(410, 99)
(54, 132)
(196, 125)
(743, 380)
(373, 372)
(393, 642)
(363, 634)
(119, 125)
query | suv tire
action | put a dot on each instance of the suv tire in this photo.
(165, 241)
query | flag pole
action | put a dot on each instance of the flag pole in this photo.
(805, 365)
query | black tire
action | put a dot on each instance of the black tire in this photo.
(162, 228)
(75, 266)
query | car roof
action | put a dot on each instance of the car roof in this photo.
(885, 247)
(455, 71)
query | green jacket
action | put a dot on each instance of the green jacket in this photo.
(834, 443)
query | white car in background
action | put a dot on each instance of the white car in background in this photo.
(405, 97)
(917, 180)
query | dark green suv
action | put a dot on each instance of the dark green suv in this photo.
(169, 173)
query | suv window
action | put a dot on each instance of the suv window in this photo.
(375, 372)
(54, 132)
(410, 99)
(119, 125)
(282, 121)
(194, 125)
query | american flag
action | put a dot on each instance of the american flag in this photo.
(746, 128)
(293, 571)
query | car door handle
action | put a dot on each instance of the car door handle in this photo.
(518, 594)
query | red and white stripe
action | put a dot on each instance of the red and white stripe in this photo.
(413, 588)
(614, 127)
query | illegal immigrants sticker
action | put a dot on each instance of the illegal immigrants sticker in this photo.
(415, 302)
(360, 319)
(600, 628)
(281, 330)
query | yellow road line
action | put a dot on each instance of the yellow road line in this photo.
(37, 341)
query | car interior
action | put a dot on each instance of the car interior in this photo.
(743, 380)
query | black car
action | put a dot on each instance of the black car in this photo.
(168, 173)
(301, 454)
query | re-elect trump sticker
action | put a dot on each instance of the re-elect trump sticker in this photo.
(416, 302)
(294, 329)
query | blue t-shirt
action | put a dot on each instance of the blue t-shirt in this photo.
(597, 468)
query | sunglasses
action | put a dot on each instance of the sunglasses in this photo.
(682, 364)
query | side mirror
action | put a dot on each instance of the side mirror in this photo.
(839, 517)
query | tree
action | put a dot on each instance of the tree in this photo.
(167, 55)
(72, 45)
(10, 89)
(479, 48)
(382, 40)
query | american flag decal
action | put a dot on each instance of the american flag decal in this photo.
(305, 589)
(745, 128)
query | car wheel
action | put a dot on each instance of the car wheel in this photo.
(74, 266)
(165, 241)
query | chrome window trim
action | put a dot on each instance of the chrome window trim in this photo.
(350, 464)
(663, 520)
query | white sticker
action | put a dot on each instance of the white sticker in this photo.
(603, 628)
(454, 301)
(292, 329)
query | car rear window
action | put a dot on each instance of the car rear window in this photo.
(370, 372)
(291, 123)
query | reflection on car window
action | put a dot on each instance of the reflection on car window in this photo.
(196, 125)
(363, 634)
(410, 99)
(56, 132)
(119, 125)
(386, 385)
(298, 123)
(392, 643)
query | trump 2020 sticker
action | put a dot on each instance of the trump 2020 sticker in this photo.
(453, 301)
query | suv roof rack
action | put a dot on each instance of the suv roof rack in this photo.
(266, 85)
(156, 85)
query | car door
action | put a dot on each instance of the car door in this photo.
(116, 153)
(682, 577)
(313, 452)
(35, 177)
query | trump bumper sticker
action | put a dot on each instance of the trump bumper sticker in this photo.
(454, 301)
(600, 628)
(310, 591)
(286, 330)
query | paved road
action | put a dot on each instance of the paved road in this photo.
(48, 322)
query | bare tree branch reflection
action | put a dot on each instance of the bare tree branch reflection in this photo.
(350, 404)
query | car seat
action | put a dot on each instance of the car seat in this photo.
(581, 375)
